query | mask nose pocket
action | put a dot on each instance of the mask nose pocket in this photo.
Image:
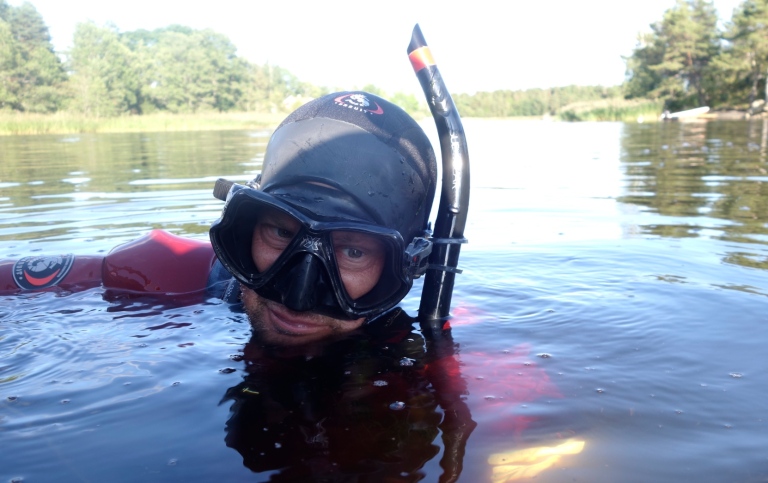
(303, 285)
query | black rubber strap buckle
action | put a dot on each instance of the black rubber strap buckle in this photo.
(444, 268)
(448, 241)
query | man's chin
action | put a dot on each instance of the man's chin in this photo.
(276, 324)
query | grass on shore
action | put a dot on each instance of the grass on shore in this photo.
(62, 123)
(627, 110)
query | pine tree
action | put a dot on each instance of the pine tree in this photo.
(673, 62)
(747, 52)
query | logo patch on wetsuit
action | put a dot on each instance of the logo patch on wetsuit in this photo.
(31, 273)
(358, 102)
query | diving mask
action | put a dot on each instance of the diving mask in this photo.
(348, 268)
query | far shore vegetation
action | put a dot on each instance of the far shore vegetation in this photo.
(68, 122)
(179, 78)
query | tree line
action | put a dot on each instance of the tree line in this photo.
(688, 60)
(182, 70)
(107, 73)
(530, 102)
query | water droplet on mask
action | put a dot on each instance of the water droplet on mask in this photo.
(406, 362)
(380, 383)
(397, 406)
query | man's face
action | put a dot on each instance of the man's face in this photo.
(360, 259)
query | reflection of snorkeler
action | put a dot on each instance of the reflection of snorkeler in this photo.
(367, 408)
(370, 406)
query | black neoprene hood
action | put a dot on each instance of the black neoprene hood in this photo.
(353, 156)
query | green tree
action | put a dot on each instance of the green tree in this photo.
(9, 59)
(673, 62)
(104, 80)
(410, 104)
(641, 79)
(33, 75)
(747, 53)
(193, 71)
(271, 88)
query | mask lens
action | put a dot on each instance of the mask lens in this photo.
(272, 234)
(360, 259)
(261, 240)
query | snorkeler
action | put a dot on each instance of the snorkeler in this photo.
(318, 250)
(335, 228)
(330, 235)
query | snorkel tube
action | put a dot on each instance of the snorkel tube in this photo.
(448, 234)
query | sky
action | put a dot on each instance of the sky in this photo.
(479, 45)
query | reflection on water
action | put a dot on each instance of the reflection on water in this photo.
(613, 293)
(89, 186)
(708, 179)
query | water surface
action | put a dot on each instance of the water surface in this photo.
(614, 291)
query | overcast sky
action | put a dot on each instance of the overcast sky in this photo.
(479, 45)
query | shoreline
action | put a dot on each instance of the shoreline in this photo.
(21, 124)
(734, 115)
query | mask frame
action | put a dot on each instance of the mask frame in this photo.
(232, 238)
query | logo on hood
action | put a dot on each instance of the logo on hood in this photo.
(359, 102)
(31, 273)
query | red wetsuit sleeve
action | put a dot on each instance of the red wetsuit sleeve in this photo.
(159, 262)
(43, 272)
(155, 263)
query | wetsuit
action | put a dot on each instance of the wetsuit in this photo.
(157, 263)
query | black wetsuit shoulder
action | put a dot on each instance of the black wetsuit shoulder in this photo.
(221, 284)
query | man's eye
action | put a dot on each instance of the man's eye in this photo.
(282, 232)
(353, 253)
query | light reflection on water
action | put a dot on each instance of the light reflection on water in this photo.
(632, 255)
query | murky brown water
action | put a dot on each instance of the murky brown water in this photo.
(614, 291)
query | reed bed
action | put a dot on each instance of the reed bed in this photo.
(61, 123)
(641, 110)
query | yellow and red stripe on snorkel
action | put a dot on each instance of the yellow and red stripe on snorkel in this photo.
(421, 58)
